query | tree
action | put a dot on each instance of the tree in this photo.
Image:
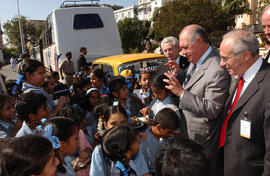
(170, 19)
(133, 32)
(261, 5)
(11, 29)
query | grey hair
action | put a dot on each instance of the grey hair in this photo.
(172, 39)
(243, 40)
(195, 31)
(266, 8)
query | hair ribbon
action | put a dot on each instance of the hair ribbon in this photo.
(121, 167)
(47, 133)
(20, 80)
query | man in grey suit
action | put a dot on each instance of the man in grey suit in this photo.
(245, 135)
(205, 89)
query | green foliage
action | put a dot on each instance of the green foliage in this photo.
(11, 29)
(133, 32)
(8, 52)
(170, 19)
(261, 5)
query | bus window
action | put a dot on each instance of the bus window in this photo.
(87, 21)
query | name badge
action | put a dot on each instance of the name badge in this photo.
(245, 128)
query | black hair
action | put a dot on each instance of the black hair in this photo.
(82, 48)
(108, 111)
(143, 72)
(29, 66)
(98, 73)
(81, 101)
(10, 83)
(63, 127)
(116, 142)
(88, 96)
(73, 112)
(80, 83)
(29, 103)
(68, 53)
(60, 90)
(55, 75)
(116, 83)
(158, 81)
(104, 101)
(25, 155)
(183, 157)
(3, 100)
(167, 118)
(105, 108)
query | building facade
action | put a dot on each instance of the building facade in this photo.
(143, 11)
(126, 12)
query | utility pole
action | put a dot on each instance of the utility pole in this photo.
(21, 29)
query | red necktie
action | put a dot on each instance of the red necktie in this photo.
(224, 126)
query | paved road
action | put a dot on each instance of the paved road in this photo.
(8, 73)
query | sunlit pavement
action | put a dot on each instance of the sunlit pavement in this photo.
(8, 73)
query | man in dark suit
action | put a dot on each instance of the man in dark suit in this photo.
(245, 131)
(204, 92)
(82, 63)
(171, 49)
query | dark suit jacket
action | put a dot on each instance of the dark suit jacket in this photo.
(82, 62)
(250, 157)
(183, 65)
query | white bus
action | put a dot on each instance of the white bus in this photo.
(73, 26)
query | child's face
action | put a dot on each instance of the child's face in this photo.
(8, 111)
(42, 112)
(93, 98)
(145, 81)
(86, 87)
(37, 78)
(96, 82)
(159, 94)
(51, 166)
(134, 148)
(123, 92)
(165, 132)
(115, 119)
(51, 85)
(70, 146)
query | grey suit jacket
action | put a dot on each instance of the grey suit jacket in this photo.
(203, 99)
(250, 157)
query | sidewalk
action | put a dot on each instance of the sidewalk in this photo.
(8, 73)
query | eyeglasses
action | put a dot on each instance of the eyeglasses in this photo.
(225, 59)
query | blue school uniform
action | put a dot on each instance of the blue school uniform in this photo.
(157, 105)
(91, 126)
(6, 130)
(149, 149)
(141, 95)
(69, 169)
(97, 165)
(168, 102)
(31, 88)
(24, 130)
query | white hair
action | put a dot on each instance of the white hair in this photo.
(171, 39)
(243, 40)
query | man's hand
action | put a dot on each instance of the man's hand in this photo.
(174, 67)
(174, 85)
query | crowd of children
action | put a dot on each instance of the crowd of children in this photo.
(98, 126)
